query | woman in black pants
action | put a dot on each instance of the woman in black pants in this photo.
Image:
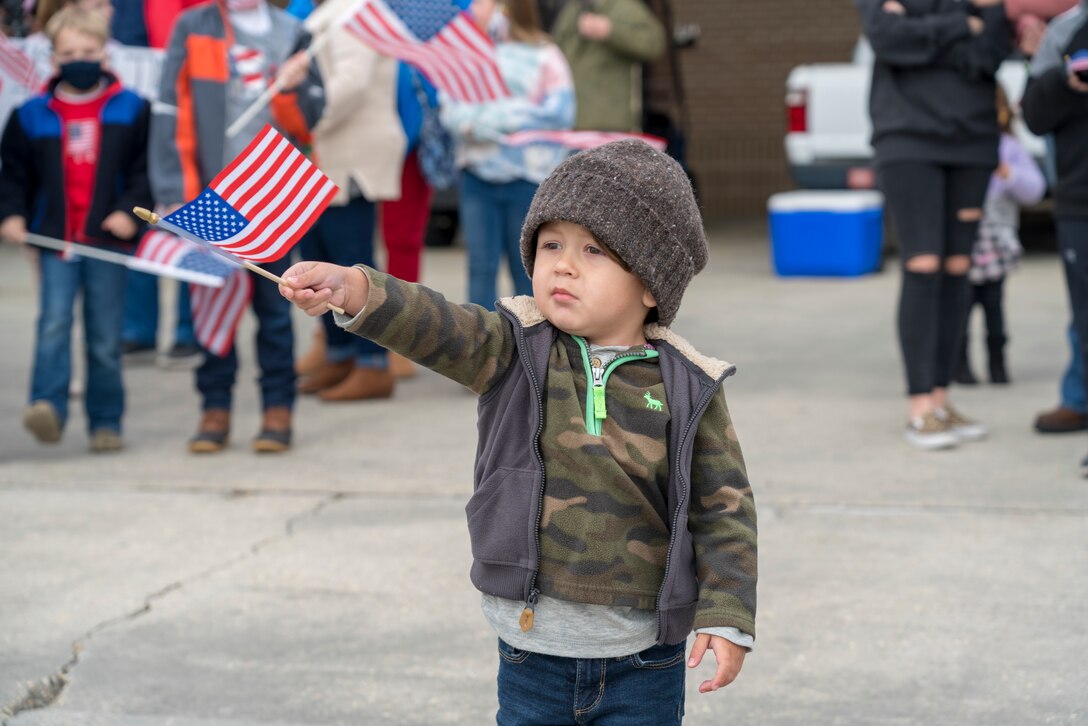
(935, 134)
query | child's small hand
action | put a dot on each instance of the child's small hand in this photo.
(730, 658)
(312, 285)
(121, 225)
(13, 229)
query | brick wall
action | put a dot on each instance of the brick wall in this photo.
(735, 80)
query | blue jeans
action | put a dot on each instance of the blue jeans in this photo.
(645, 689)
(345, 236)
(275, 351)
(1073, 393)
(103, 286)
(491, 219)
(142, 311)
(1073, 245)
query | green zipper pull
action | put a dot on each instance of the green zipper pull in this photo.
(599, 411)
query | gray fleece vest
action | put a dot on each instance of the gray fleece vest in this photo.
(504, 511)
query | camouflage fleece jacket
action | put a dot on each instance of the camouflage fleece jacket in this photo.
(630, 490)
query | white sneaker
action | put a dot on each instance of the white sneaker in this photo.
(964, 428)
(929, 432)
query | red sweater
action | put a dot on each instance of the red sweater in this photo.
(81, 128)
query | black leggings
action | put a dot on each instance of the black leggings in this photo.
(924, 200)
(988, 295)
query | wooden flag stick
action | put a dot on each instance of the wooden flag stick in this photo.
(152, 218)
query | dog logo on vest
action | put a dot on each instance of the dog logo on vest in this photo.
(652, 403)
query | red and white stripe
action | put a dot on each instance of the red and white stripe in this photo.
(250, 63)
(579, 139)
(460, 60)
(18, 66)
(274, 186)
(162, 248)
(217, 311)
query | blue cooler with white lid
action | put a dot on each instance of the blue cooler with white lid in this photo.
(826, 233)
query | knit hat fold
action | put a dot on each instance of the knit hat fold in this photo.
(639, 203)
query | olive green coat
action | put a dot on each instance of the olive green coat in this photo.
(607, 78)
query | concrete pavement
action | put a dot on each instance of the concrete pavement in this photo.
(329, 585)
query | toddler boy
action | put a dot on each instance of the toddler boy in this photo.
(612, 512)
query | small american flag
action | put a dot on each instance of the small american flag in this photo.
(18, 66)
(261, 204)
(216, 310)
(82, 140)
(437, 37)
(168, 250)
(579, 139)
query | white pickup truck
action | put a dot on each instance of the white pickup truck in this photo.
(827, 105)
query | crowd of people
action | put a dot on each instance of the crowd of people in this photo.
(953, 173)
(611, 514)
(954, 177)
(377, 127)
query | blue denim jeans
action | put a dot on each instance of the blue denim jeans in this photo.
(275, 351)
(345, 236)
(1073, 393)
(1073, 246)
(491, 219)
(644, 689)
(103, 288)
(142, 311)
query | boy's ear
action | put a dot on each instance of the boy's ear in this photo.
(648, 299)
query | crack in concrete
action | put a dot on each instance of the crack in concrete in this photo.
(765, 502)
(45, 691)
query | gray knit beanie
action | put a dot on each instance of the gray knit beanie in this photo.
(639, 203)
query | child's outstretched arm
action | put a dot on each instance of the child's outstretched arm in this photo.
(312, 285)
(467, 343)
(729, 656)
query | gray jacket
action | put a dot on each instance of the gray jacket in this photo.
(1059, 32)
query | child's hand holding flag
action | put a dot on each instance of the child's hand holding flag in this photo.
(258, 207)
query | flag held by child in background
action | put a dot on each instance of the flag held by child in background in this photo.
(261, 204)
(437, 37)
(169, 252)
(579, 140)
(216, 310)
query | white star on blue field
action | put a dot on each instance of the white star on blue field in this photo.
(424, 19)
(209, 217)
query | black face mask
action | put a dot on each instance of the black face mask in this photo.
(82, 75)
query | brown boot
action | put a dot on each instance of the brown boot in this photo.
(275, 435)
(361, 384)
(213, 433)
(326, 376)
(314, 358)
(400, 366)
(1060, 420)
